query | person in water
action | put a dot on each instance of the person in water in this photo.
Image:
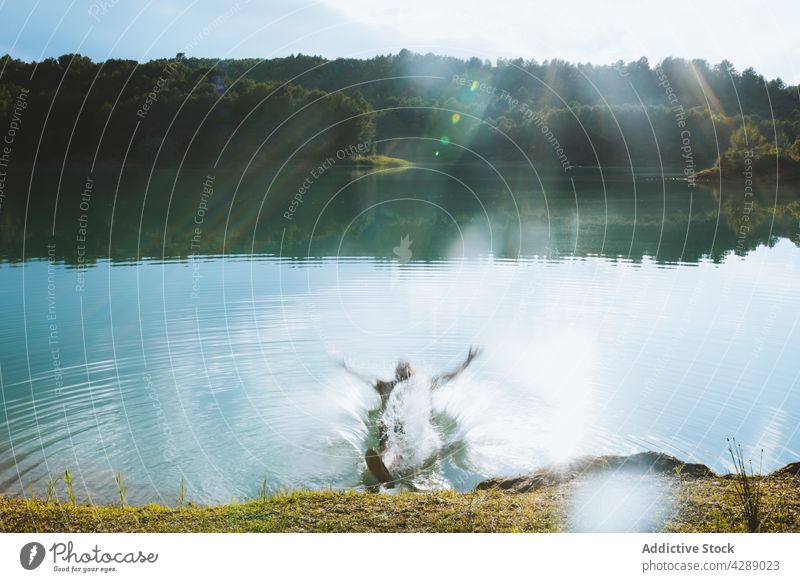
(402, 373)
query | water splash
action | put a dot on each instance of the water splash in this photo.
(413, 441)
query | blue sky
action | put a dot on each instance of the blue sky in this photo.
(759, 33)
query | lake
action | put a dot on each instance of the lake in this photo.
(191, 325)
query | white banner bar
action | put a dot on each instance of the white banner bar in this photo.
(396, 557)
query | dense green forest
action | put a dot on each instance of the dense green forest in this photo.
(682, 115)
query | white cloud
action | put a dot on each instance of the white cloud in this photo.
(755, 34)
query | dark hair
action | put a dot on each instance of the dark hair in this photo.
(404, 370)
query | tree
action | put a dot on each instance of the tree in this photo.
(794, 150)
(747, 138)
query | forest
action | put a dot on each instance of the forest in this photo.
(680, 115)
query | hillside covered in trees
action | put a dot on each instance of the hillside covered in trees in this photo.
(681, 115)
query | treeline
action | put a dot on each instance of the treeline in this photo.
(684, 115)
(166, 111)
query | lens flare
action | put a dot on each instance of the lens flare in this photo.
(455, 118)
(444, 140)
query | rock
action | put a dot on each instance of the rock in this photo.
(658, 463)
(647, 462)
(523, 483)
(792, 469)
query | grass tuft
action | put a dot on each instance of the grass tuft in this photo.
(121, 488)
(180, 501)
(52, 496)
(263, 491)
(70, 489)
(747, 488)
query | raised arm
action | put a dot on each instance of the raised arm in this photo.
(439, 381)
(371, 380)
(383, 388)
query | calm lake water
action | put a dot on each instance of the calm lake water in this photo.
(617, 315)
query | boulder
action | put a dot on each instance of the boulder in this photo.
(641, 463)
(792, 469)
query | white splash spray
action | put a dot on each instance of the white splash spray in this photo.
(412, 439)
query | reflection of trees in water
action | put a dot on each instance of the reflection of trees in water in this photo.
(370, 216)
(759, 219)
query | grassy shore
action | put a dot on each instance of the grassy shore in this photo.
(700, 505)
(378, 161)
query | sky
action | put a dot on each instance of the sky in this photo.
(758, 33)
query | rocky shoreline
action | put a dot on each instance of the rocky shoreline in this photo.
(649, 462)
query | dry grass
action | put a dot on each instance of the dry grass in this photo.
(702, 505)
(306, 511)
(713, 505)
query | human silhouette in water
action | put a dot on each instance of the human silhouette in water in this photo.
(402, 373)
